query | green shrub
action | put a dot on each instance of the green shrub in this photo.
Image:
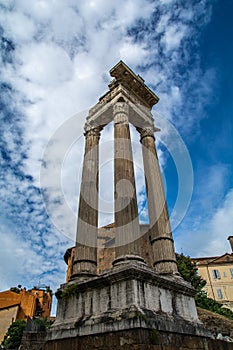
(209, 304)
(14, 335)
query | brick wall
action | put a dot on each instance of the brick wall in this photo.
(106, 248)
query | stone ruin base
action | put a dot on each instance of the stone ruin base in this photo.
(138, 339)
(33, 341)
(129, 307)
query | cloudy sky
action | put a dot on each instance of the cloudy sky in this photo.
(55, 59)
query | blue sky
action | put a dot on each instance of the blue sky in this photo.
(55, 59)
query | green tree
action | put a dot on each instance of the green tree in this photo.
(189, 272)
(210, 304)
(14, 335)
(42, 324)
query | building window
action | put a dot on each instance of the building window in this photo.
(219, 292)
(216, 274)
(224, 274)
(231, 271)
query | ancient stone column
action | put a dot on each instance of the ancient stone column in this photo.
(160, 230)
(126, 209)
(85, 258)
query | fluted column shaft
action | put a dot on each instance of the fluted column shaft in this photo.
(85, 257)
(160, 230)
(126, 209)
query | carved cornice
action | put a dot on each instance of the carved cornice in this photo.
(102, 113)
(134, 83)
(138, 272)
(133, 91)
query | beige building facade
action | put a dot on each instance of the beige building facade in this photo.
(218, 273)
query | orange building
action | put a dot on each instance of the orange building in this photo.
(19, 304)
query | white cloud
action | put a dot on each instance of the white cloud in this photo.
(173, 36)
(209, 234)
(163, 22)
(23, 260)
(132, 53)
(211, 177)
(18, 26)
(47, 65)
(221, 226)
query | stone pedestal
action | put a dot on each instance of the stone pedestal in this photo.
(33, 340)
(128, 297)
(139, 339)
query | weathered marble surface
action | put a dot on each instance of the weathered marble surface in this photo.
(129, 296)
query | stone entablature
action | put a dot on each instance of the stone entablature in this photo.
(134, 83)
(102, 113)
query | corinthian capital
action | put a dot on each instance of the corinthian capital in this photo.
(121, 112)
(92, 131)
(146, 132)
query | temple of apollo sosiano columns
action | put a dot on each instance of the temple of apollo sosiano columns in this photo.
(139, 301)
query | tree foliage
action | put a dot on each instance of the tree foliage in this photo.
(189, 272)
(38, 324)
(210, 304)
(14, 335)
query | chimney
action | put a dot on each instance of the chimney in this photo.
(230, 239)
